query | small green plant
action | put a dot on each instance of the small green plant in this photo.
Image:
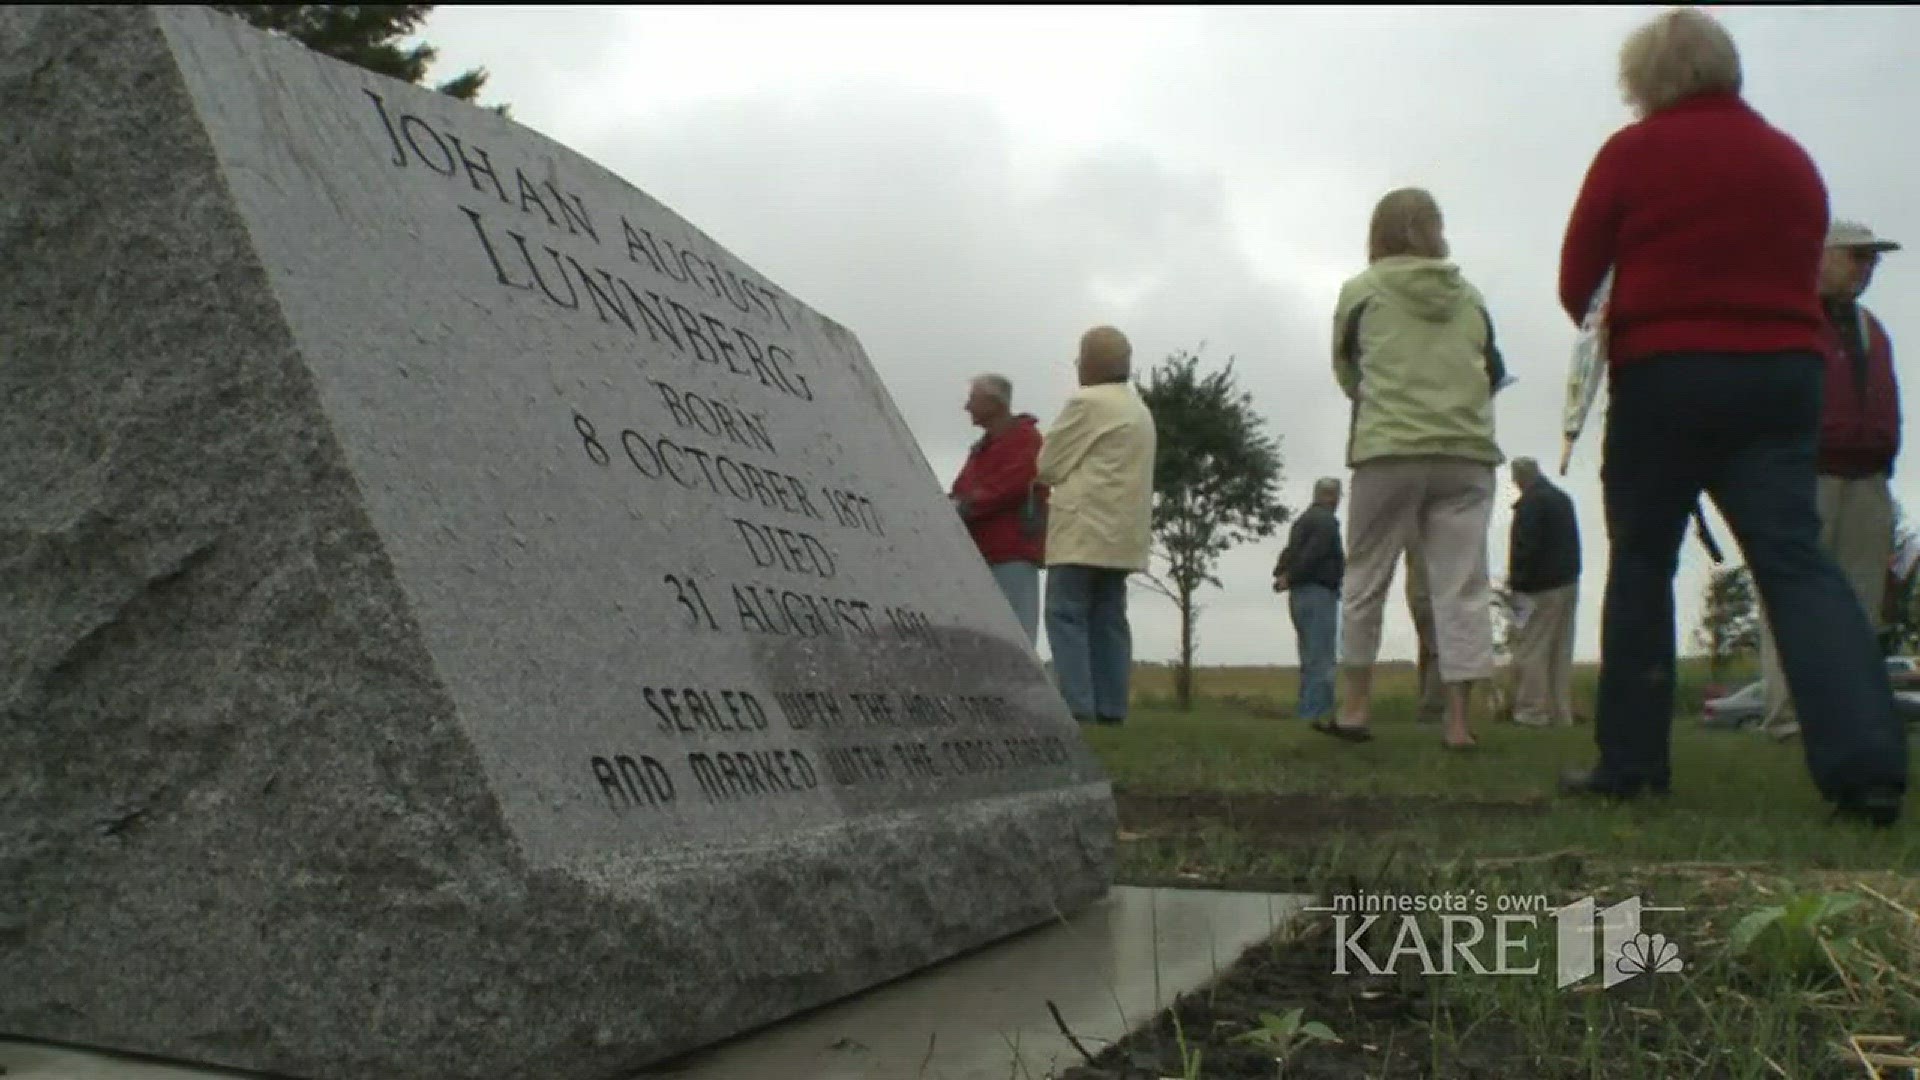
(1284, 1034)
(1787, 940)
(1189, 1055)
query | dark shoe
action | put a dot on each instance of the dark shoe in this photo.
(1339, 731)
(1078, 719)
(1590, 782)
(1110, 721)
(1879, 807)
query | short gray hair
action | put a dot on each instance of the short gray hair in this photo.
(996, 386)
(1326, 485)
(1526, 466)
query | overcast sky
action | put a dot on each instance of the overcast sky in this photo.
(969, 189)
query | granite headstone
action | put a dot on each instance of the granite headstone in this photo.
(460, 621)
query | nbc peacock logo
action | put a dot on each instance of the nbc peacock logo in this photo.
(1623, 950)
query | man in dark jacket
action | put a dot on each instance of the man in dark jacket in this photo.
(992, 492)
(1859, 440)
(1543, 572)
(1311, 568)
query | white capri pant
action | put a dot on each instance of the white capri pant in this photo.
(1444, 506)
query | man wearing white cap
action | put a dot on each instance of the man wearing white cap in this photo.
(1859, 440)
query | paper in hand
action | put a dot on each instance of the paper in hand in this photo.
(1522, 610)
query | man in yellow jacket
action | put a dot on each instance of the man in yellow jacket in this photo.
(1098, 461)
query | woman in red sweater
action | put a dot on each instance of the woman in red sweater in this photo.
(1714, 222)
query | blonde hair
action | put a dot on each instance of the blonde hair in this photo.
(1105, 353)
(1406, 222)
(1680, 54)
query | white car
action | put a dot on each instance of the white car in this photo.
(1742, 708)
(1747, 706)
(1905, 673)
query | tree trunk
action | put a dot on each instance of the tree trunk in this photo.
(1183, 677)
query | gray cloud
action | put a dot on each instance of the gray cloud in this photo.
(1225, 206)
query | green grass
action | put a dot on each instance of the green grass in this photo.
(1744, 830)
(1737, 795)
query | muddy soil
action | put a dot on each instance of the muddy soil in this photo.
(1381, 1020)
(1387, 1024)
(1387, 1028)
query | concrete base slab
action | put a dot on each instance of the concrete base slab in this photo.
(40, 1062)
(981, 1017)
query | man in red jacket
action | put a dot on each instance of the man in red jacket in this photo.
(992, 494)
(1859, 440)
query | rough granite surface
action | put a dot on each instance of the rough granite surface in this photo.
(320, 622)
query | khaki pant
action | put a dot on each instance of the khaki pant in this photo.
(1433, 694)
(1444, 505)
(1543, 659)
(1856, 528)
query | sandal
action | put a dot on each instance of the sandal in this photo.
(1341, 731)
(1471, 744)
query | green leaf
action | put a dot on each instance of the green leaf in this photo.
(1747, 930)
(1833, 904)
(1314, 1029)
(369, 35)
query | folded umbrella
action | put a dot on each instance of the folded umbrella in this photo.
(1583, 375)
(1583, 385)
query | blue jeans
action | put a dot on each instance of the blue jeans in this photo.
(1092, 643)
(1744, 430)
(1020, 582)
(1316, 622)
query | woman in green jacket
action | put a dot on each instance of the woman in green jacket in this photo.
(1414, 351)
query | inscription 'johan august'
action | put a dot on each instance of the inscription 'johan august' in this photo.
(572, 285)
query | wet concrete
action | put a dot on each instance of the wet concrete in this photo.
(982, 1017)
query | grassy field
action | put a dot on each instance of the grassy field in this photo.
(1235, 793)
(1737, 796)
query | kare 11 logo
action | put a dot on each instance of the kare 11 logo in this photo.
(1588, 939)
